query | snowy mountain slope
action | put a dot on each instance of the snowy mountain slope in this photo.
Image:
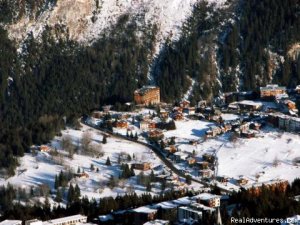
(85, 20)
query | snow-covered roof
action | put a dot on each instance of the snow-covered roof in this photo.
(251, 103)
(165, 205)
(144, 209)
(104, 218)
(206, 196)
(157, 222)
(145, 89)
(282, 96)
(66, 219)
(202, 207)
(272, 87)
(182, 154)
(11, 222)
(183, 201)
(119, 212)
(187, 208)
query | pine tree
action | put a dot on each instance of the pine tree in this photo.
(132, 173)
(152, 176)
(47, 204)
(71, 194)
(172, 141)
(148, 187)
(111, 182)
(104, 140)
(119, 159)
(92, 167)
(108, 163)
(60, 179)
(188, 179)
(58, 197)
(136, 136)
(56, 183)
(77, 193)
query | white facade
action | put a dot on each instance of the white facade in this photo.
(210, 199)
(11, 222)
(33, 222)
(70, 220)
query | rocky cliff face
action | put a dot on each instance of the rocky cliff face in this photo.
(85, 20)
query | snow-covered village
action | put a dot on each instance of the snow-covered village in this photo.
(200, 153)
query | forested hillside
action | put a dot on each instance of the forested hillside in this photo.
(239, 46)
(53, 79)
(251, 50)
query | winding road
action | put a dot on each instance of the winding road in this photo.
(155, 149)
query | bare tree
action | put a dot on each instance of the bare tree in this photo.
(130, 189)
(121, 183)
(86, 140)
(68, 145)
(233, 138)
(44, 189)
(275, 162)
(95, 150)
(59, 159)
(257, 176)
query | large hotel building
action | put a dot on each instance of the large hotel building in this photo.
(147, 95)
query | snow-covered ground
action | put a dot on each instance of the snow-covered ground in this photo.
(269, 156)
(245, 157)
(256, 156)
(189, 130)
(40, 169)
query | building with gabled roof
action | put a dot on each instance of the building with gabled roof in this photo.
(147, 95)
(208, 199)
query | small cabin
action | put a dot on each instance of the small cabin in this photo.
(45, 148)
(82, 175)
(121, 124)
(142, 166)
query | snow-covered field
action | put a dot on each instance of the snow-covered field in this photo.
(189, 129)
(257, 156)
(40, 169)
(245, 157)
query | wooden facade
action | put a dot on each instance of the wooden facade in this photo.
(147, 95)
